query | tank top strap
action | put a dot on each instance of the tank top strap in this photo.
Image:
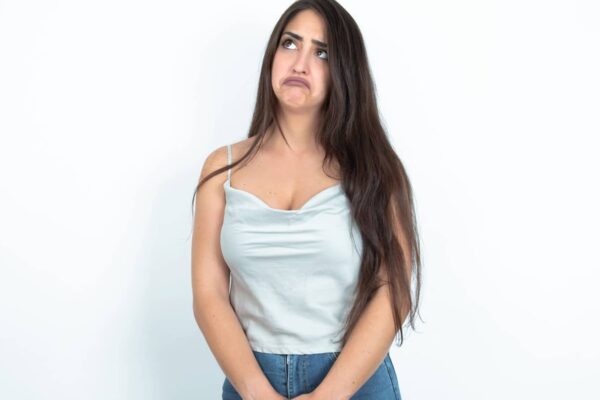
(228, 162)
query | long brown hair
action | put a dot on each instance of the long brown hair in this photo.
(373, 177)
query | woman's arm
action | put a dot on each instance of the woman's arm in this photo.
(364, 351)
(228, 343)
(210, 283)
(370, 340)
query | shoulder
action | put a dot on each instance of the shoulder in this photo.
(210, 194)
(217, 158)
(241, 147)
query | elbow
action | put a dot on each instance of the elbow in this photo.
(206, 302)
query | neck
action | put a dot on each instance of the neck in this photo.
(300, 132)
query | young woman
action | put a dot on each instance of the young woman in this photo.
(313, 224)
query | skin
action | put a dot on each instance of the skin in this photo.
(375, 331)
(299, 106)
(287, 176)
(294, 180)
(368, 343)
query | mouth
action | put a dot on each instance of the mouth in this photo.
(296, 82)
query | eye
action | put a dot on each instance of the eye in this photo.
(326, 54)
(284, 41)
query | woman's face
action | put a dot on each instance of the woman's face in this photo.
(302, 52)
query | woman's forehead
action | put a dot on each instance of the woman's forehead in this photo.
(308, 24)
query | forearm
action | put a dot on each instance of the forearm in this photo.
(228, 343)
(364, 351)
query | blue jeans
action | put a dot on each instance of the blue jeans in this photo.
(294, 374)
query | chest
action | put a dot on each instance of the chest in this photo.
(322, 235)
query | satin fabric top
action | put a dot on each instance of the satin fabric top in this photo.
(293, 272)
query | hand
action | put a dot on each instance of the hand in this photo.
(274, 396)
(306, 396)
(266, 393)
(314, 395)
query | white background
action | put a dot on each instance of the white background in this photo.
(109, 108)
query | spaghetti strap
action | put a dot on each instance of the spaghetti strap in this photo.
(228, 163)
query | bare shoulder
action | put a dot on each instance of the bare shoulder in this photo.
(216, 159)
(240, 148)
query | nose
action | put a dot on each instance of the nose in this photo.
(300, 64)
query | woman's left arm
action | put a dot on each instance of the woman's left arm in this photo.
(364, 351)
(368, 343)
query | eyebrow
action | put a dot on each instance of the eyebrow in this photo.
(300, 38)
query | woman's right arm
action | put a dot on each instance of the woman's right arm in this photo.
(210, 284)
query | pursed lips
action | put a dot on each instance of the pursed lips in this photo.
(296, 82)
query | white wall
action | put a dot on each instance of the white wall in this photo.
(108, 110)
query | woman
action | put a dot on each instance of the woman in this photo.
(314, 224)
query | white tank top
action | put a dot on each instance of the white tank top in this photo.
(293, 272)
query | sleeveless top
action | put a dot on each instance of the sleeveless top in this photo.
(294, 273)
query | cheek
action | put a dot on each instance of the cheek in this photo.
(275, 77)
(277, 67)
(326, 81)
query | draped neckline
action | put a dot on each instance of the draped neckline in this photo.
(262, 203)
